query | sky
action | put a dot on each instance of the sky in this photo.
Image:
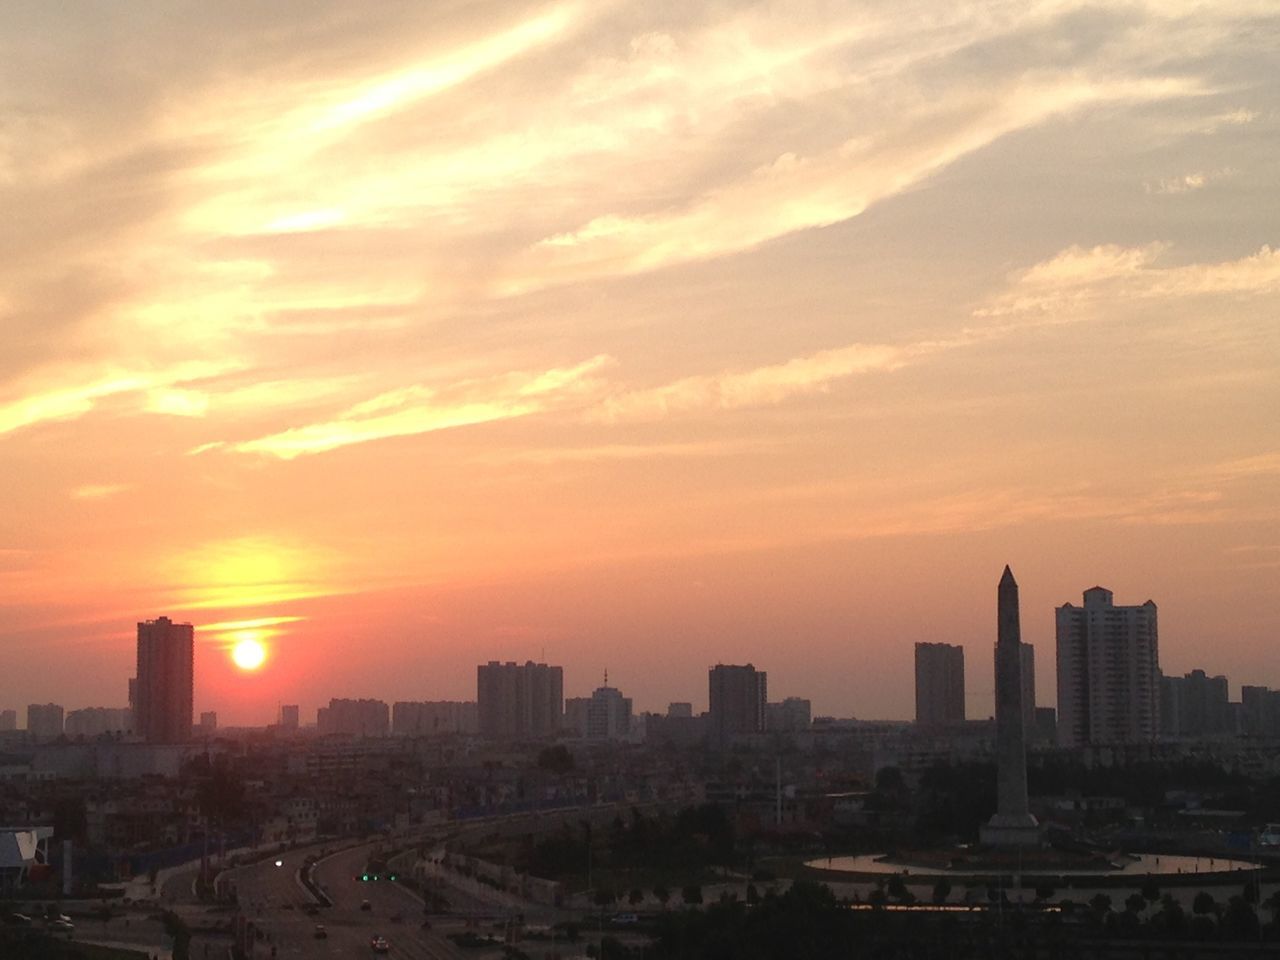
(632, 337)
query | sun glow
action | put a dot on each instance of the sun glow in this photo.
(249, 653)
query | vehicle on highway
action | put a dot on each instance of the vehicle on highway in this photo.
(380, 945)
(18, 920)
(62, 926)
(321, 932)
(366, 905)
(624, 919)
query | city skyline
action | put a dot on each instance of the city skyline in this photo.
(397, 340)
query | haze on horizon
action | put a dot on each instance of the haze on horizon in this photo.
(630, 336)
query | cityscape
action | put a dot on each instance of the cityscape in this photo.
(549, 480)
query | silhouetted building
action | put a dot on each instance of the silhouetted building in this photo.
(289, 717)
(738, 698)
(608, 714)
(95, 721)
(427, 718)
(8, 720)
(1259, 711)
(679, 709)
(354, 718)
(44, 721)
(1108, 672)
(1045, 730)
(208, 722)
(939, 684)
(165, 681)
(791, 715)
(519, 700)
(1195, 705)
(1028, 688)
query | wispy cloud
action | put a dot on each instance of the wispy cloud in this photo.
(98, 491)
(421, 409)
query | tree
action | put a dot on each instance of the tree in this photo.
(753, 895)
(1135, 903)
(635, 897)
(1101, 904)
(556, 759)
(662, 895)
(691, 893)
(1204, 904)
(897, 886)
(1045, 890)
(1150, 890)
(941, 890)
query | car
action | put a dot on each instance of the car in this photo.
(321, 933)
(624, 919)
(380, 945)
(57, 916)
(62, 926)
(18, 920)
(366, 905)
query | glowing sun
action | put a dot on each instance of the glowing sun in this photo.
(248, 654)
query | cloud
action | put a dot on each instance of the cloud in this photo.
(750, 388)
(98, 491)
(418, 409)
(1187, 183)
(1078, 278)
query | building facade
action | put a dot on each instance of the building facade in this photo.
(1108, 672)
(354, 718)
(1195, 705)
(165, 681)
(519, 699)
(939, 684)
(738, 695)
(44, 721)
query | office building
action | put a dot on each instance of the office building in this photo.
(519, 700)
(165, 681)
(44, 721)
(289, 717)
(939, 684)
(354, 718)
(608, 714)
(208, 722)
(679, 709)
(738, 695)
(1108, 672)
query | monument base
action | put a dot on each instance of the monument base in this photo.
(1011, 831)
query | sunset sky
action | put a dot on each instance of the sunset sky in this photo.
(632, 336)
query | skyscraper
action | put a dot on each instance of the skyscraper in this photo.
(1108, 672)
(165, 681)
(939, 683)
(738, 695)
(519, 700)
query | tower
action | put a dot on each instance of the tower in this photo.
(737, 698)
(1012, 825)
(165, 681)
(1108, 672)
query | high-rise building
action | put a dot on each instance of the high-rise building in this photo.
(1028, 688)
(95, 721)
(519, 700)
(1108, 672)
(165, 681)
(208, 722)
(608, 714)
(289, 717)
(791, 715)
(354, 718)
(1259, 711)
(44, 721)
(426, 718)
(1194, 705)
(679, 709)
(8, 720)
(939, 683)
(738, 695)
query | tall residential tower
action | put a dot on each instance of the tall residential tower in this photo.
(165, 681)
(1108, 672)
(939, 684)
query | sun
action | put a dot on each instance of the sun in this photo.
(248, 654)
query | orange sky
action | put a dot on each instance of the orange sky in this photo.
(635, 337)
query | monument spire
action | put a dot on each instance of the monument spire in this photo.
(1013, 824)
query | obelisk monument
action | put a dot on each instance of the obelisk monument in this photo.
(1013, 825)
